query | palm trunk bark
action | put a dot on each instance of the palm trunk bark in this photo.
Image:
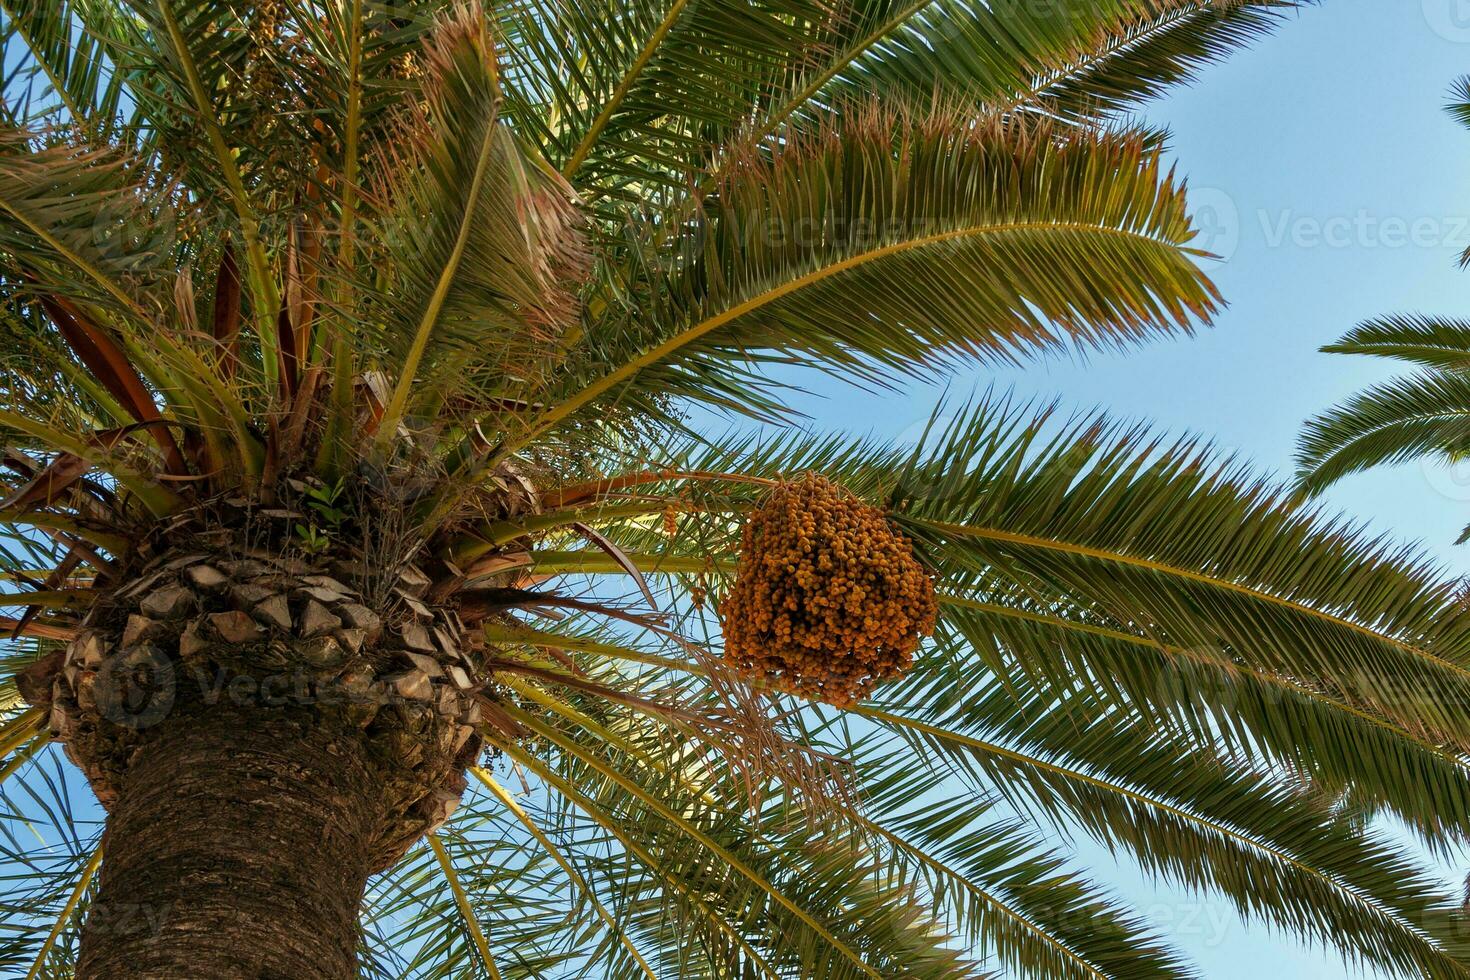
(239, 847)
(263, 743)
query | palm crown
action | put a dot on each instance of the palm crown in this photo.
(378, 340)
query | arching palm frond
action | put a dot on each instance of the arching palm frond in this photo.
(1419, 416)
(1217, 650)
(1414, 417)
(989, 240)
(671, 81)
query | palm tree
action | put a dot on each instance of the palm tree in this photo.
(395, 416)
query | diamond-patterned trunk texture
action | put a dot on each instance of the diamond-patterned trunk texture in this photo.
(266, 732)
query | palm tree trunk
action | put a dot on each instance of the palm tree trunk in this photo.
(239, 847)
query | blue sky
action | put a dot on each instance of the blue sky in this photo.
(1326, 170)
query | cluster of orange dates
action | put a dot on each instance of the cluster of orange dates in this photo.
(828, 598)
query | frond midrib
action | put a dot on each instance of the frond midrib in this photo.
(631, 368)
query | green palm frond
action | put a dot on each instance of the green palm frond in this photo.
(71, 75)
(1058, 596)
(1080, 61)
(960, 240)
(1096, 527)
(671, 81)
(1276, 855)
(620, 88)
(1159, 48)
(69, 208)
(1422, 415)
(1218, 704)
(479, 234)
(1413, 417)
(1459, 104)
(1434, 342)
(47, 844)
